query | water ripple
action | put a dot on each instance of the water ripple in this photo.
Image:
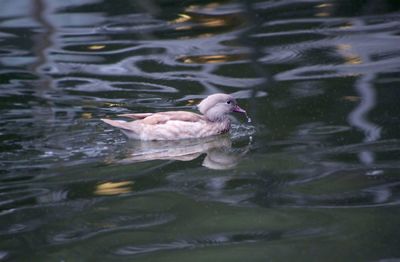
(222, 239)
(87, 231)
(378, 196)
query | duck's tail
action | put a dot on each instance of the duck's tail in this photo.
(126, 127)
(116, 123)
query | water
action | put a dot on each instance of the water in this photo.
(315, 173)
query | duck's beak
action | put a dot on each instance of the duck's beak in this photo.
(239, 110)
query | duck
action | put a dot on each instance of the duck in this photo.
(176, 125)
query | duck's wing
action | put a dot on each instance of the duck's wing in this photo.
(163, 117)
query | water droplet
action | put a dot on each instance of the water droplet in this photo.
(374, 173)
(248, 118)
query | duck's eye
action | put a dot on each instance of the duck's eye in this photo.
(228, 102)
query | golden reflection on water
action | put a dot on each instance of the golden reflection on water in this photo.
(351, 98)
(114, 188)
(347, 50)
(346, 26)
(96, 47)
(214, 22)
(205, 21)
(87, 115)
(349, 56)
(353, 60)
(183, 27)
(191, 102)
(325, 5)
(322, 14)
(199, 16)
(109, 104)
(181, 19)
(211, 59)
(323, 10)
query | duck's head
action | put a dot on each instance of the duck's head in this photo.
(216, 107)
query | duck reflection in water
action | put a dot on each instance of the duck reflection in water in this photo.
(218, 149)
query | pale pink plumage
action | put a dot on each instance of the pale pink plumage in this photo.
(174, 125)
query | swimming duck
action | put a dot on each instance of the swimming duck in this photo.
(175, 125)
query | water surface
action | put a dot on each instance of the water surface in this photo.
(315, 173)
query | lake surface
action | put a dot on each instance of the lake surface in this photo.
(314, 177)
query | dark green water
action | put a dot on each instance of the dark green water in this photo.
(314, 177)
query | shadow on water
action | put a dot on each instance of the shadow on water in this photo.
(315, 173)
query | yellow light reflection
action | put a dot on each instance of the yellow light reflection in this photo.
(181, 28)
(351, 98)
(350, 57)
(324, 10)
(324, 5)
(87, 115)
(322, 14)
(109, 104)
(353, 59)
(114, 188)
(190, 102)
(346, 26)
(181, 19)
(210, 21)
(213, 22)
(202, 15)
(96, 47)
